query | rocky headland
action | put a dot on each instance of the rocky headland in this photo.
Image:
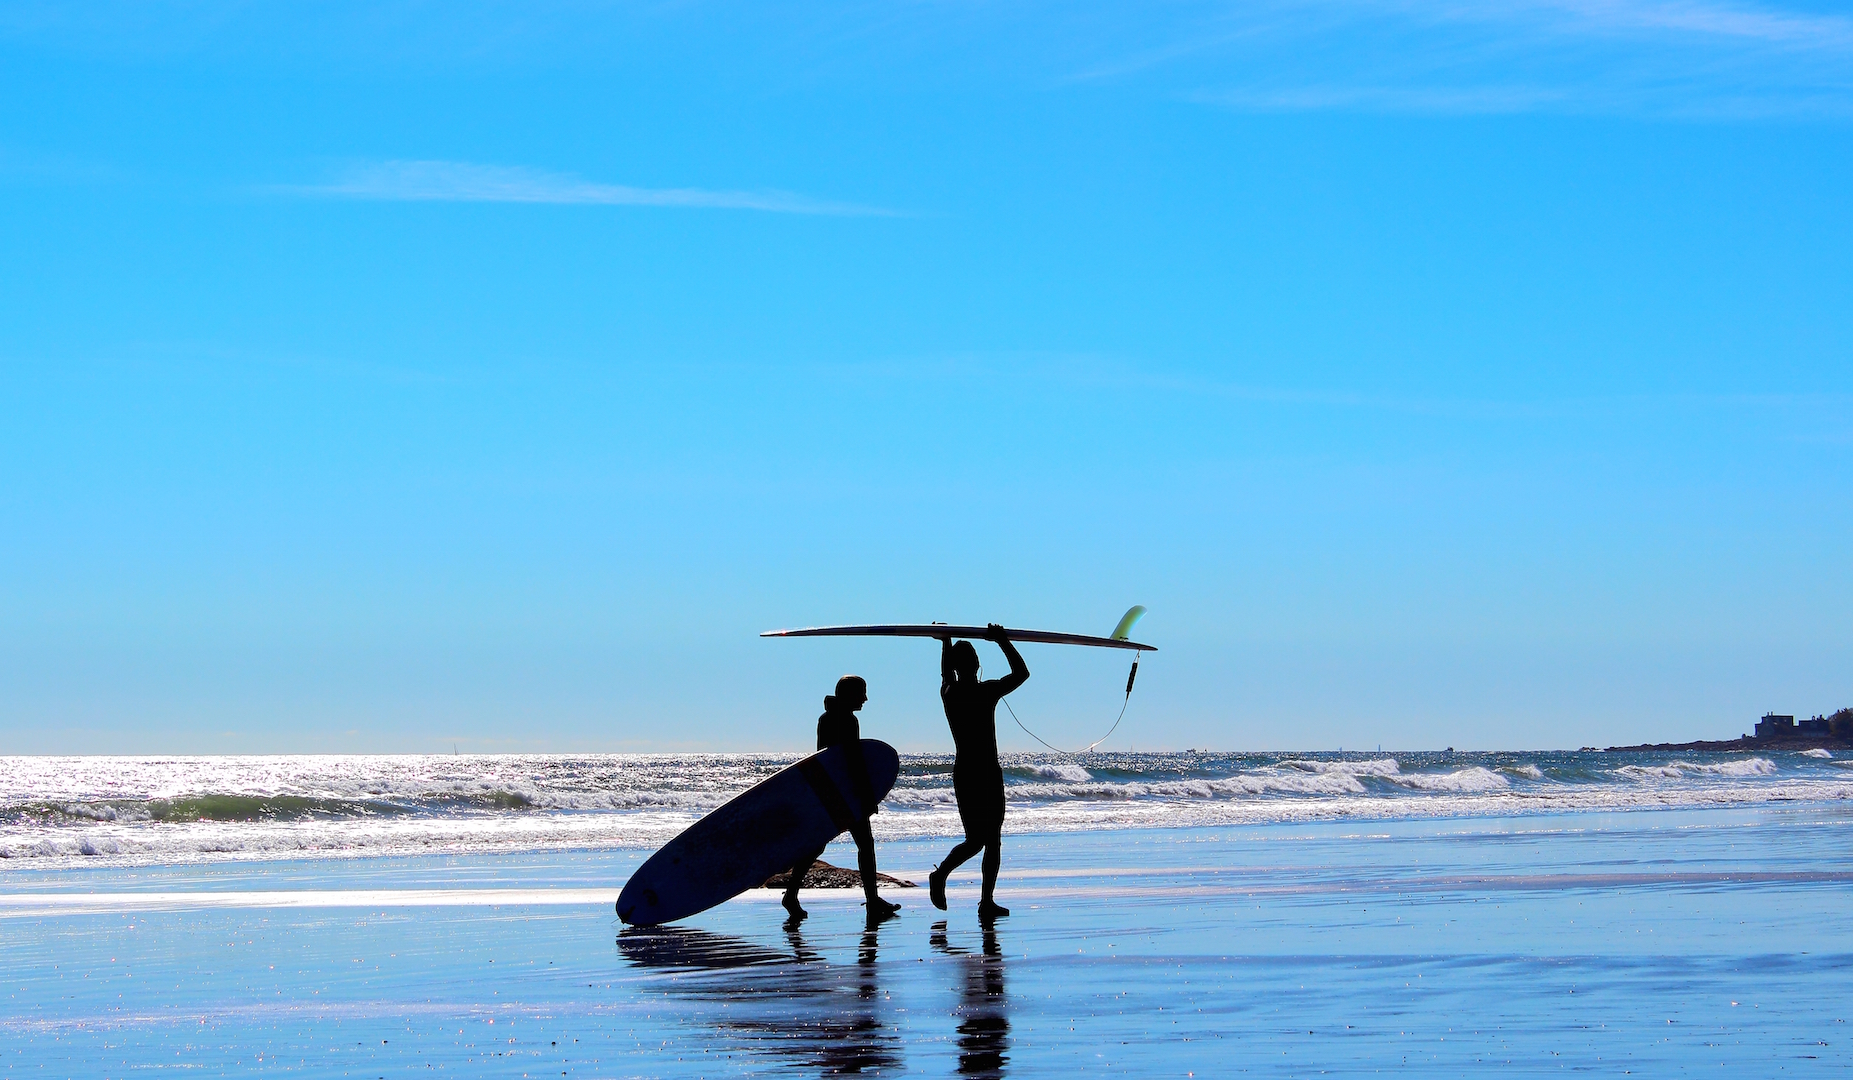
(1838, 736)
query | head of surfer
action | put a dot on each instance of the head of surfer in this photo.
(965, 660)
(852, 692)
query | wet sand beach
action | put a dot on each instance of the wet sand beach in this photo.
(1647, 942)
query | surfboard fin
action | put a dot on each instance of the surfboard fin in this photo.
(1124, 630)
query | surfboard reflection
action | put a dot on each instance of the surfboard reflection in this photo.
(684, 947)
(984, 1014)
(794, 1006)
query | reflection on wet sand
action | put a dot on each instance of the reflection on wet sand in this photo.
(984, 1014)
(682, 947)
(794, 1006)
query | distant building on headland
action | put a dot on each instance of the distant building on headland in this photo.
(1776, 726)
(1773, 726)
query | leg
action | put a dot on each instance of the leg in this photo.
(974, 815)
(865, 862)
(936, 881)
(993, 858)
(796, 878)
(960, 852)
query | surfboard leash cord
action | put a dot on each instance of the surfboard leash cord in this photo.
(1131, 677)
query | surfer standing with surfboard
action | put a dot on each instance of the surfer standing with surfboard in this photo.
(838, 726)
(977, 778)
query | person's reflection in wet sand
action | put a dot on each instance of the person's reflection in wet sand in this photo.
(794, 936)
(795, 1006)
(866, 957)
(984, 1008)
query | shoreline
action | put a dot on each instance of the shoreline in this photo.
(905, 861)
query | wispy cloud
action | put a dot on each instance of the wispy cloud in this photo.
(458, 181)
(1699, 58)
(17, 163)
(1465, 100)
(1736, 22)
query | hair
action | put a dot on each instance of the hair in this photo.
(852, 686)
(964, 659)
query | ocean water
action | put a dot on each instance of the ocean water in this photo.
(169, 810)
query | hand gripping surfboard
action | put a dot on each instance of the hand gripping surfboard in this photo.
(758, 833)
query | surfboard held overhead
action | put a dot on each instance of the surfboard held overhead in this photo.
(940, 630)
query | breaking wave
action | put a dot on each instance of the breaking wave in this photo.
(1474, 778)
(1061, 771)
(1675, 770)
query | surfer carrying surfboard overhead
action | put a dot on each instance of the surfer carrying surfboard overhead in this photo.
(838, 726)
(977, 778)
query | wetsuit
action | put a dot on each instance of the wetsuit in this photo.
(971, 713)
(839, 727)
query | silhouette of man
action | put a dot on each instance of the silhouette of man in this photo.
(838, 727)
(977, 778)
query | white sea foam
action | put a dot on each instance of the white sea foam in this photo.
(68, 902)
(1373, 767)
(1677, 770)
(1258, 782)
(1817, 752)
(1061, 771)
(1473, 778)
(209, 840)
(1528, 771)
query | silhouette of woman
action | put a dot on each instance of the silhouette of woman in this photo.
(977, 779)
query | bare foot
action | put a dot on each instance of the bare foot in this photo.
(991, 909)
(791, 905)
(936, 888)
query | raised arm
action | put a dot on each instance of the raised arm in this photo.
(945, 664)
(1019, 671)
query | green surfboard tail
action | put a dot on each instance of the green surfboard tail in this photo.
(1124, 629)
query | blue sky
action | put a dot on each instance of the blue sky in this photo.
(399, 376)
